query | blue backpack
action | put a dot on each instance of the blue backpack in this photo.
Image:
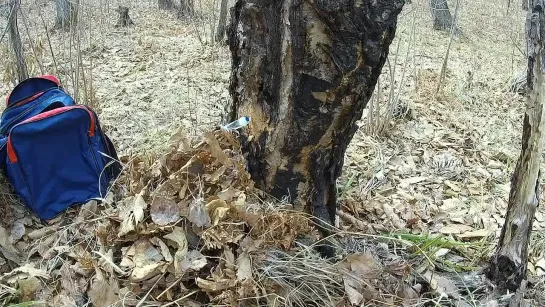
(53, 151)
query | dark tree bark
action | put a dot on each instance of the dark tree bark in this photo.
(222, 20)
(304, 71)
(508, 265)
(166, 4)
(67, 13)
(15, 40)
(442, 19)
(124, 18)
(186, 9)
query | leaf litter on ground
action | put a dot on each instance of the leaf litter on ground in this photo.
(192, 222)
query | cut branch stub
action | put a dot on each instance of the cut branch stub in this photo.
(304, 71)
(124, 19)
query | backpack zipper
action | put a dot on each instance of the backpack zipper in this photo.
(25, 113)
(28, 99)
(12, 156)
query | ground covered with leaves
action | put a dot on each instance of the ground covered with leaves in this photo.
(188, 228)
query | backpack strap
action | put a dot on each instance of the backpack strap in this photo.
(31, 88)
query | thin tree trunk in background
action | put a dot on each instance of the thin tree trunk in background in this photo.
(525, 4)
(222, 20)
(442, 19)
(67, 13)
(15, 40)
(186, 9)
(509, 263)
(124, 19)
(304, 71)
(166, 4)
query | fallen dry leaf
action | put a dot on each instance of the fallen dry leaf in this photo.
(480, 233)
(178, 236)
(244, 267)
(198, 215)
(132, 213)
(450, 204)
(163, 247)
(147, 261)
(455, 229)
(364, 266)
(25, 271)
(228, 194)
(215, 149)
(179, 140)
(359, 269)
(164, 210)
(194, 261)
(28, 288)
(18, 230)
(214, 286)
(215, 176)
(351, 286)
(138, 209)
(6, 247)
(217, 210)
(442, 285)
(102, 294)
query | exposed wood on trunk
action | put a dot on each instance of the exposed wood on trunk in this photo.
(442, 19)
(304, 71)
(222, 20)
(67, 13)
(508, 265)
(15, 40)
(124, 19)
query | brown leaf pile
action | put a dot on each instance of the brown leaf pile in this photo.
(184, 229)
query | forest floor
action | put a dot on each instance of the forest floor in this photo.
(443, 169)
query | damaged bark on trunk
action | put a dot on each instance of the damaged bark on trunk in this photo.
(508, 265)
(304, 71)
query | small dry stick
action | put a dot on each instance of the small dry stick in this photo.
(443, 73)
(352, 220)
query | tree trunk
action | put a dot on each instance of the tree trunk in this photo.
(186, 9)
(166, 4)
(525, 4)
(442, 19)
(220, 31)
(15, 40)
(67, 13)
(124, 19)
(508, 265)
(304, 71)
